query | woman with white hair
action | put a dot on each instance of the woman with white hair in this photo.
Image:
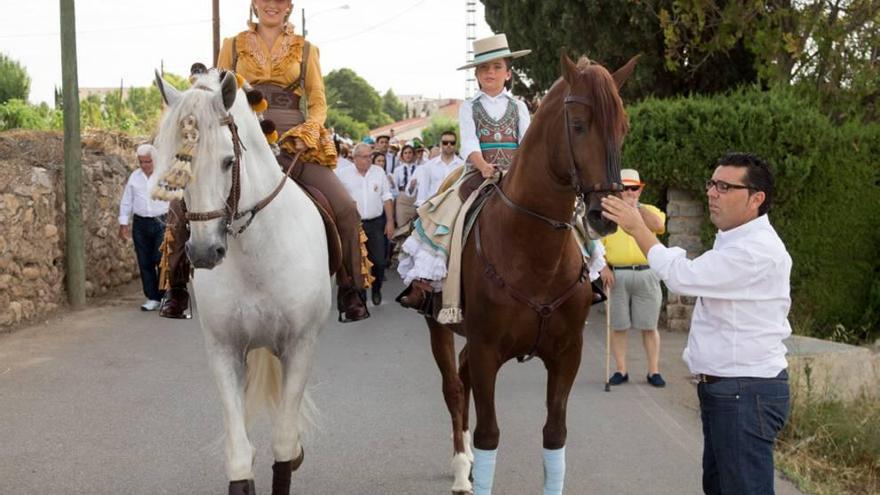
(143, 219)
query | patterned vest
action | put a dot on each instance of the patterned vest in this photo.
(499, 139)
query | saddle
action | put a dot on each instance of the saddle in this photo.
(334, 243)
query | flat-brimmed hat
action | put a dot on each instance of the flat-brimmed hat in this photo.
(492, 48)
(630, 177)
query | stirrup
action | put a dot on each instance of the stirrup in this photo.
(343, 308)
(425, 305)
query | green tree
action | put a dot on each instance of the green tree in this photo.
(14, 80)
(829, 47)
(343, 124)
(439, 124)
(610, 32)
(353, 95)
(18, 114)
(393, 106)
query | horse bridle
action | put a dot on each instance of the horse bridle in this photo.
(575, 175)
(230, 210)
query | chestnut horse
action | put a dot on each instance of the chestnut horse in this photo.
(524, 281)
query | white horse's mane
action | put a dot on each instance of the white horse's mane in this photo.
(204, 102)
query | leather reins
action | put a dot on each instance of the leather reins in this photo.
(544, 311)
(230, 210)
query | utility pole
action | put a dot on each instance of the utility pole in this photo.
(216, 32)
(304, 21)
(75, 252)
(470, 87)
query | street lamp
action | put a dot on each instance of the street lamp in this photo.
(339, 7)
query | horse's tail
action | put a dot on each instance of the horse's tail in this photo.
(262, 391)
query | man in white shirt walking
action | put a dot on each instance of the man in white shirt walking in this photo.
(143, 219)
(369, 187)
(428, 178)
(739, 322)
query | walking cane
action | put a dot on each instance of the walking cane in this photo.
(607, 341)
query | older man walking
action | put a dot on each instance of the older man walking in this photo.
(143, 219)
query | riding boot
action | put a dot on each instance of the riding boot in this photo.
(175, 303)
(417, 296)
(352, 304)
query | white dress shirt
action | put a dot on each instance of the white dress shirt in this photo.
(495, 106)
(136, 199)
(402, 175)
(370, 191)
(741, 314)
(430, 176)
(391, 162)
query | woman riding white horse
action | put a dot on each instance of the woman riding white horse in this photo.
(261, 285)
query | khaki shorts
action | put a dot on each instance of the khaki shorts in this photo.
(635, 300)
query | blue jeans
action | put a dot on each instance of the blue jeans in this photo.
(741, 418)
(147, 234)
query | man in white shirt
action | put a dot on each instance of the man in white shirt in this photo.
(740, 319)
(428, 178)
(143, 219)
(369, 187)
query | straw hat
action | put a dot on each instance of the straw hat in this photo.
(492, 48)
(630, 177)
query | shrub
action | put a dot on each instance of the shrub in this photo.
(827, 201)
(14, 80)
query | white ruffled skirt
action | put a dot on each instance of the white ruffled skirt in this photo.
(419, 259)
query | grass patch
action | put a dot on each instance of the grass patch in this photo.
(832, 447)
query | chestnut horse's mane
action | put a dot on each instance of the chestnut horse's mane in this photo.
(608, 111)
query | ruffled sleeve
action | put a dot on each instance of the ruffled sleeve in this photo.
(317, 139)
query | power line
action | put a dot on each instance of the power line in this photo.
(375, 26)
(109, 30)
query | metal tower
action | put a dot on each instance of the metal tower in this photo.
(471, 33)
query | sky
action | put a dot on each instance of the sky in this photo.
(410, 46)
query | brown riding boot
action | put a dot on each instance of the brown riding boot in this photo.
(175, 303)
(352, 304)
(417, 296)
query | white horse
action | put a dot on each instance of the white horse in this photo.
(262, 308)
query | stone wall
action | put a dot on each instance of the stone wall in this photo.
(32, 223)
(685, 215)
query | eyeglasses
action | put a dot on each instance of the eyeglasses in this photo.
(448, 143)
(724, 187)
(631, 188)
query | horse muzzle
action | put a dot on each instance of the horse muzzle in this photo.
(206, 255)
(601, 225)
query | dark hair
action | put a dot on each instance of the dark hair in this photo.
(759, 176)
(376, 154)
(448, 132)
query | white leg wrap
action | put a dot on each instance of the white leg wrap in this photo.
(466, 437)
(554, 471)
(461, 468)
(484, 471)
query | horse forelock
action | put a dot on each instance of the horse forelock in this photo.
(601, 91)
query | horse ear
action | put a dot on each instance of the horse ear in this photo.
(624, 72)
(169, 93)
(569, 69)
(228, 88)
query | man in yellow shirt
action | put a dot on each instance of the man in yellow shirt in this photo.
(635, 288)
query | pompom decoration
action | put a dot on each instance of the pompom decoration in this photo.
(268, 126)
(254, 96)
(272, 138)
(239, 79)
(173, 182)
(261, 107)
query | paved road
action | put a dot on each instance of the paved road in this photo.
(114, 401)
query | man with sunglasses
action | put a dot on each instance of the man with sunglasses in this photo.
(735, 346)
(428, 177)
(636, 296)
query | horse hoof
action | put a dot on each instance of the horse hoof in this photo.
(242, 487)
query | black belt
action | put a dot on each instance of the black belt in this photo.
(637, 268)
(160, 217)
(702, 378)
